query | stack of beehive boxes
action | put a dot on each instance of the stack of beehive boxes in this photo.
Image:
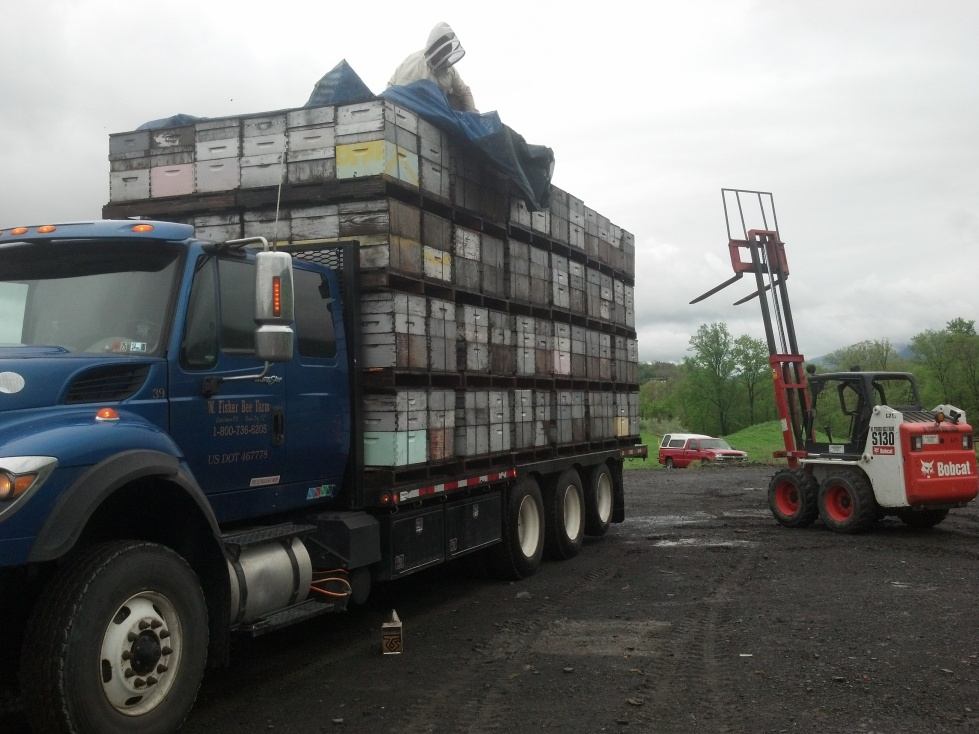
(540, 300)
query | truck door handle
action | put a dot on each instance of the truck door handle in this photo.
(278, 427)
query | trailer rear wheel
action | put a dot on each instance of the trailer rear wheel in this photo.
(792, 498)
(847, 503)
(118, 643)
(564, 512)
(520, 553)
(922, 518)
(599, 498)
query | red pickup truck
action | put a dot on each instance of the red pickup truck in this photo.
(680, 450)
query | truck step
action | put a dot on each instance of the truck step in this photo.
(239, 539)
(299, 613)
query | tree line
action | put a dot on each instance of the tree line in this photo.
(725, 383)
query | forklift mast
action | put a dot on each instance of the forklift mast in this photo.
(758, 250)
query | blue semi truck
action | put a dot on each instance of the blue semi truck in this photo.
(181, 461)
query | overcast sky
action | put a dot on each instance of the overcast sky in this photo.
(861, 116)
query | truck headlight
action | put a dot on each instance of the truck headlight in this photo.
(21, 476)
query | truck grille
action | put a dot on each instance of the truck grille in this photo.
(105, 384)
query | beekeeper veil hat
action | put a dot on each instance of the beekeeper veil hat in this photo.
(443, 49)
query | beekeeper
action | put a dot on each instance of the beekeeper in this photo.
(436, 63)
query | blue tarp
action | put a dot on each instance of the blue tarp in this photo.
(178, 120)
(340, 85)
(529, 167)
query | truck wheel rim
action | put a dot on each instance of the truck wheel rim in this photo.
(604, 497)
(572, 511)
(839, 504)
(528, 527)
(787, 499)
(140, 653)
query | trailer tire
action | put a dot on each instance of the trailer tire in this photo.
(847, 503)
(520, 553)
(922, 519)
(793, 498)
(564, 516)
(599, 501)
(132, 611)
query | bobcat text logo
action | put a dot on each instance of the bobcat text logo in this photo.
(945, 469)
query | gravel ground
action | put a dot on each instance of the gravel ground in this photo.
(698, 614)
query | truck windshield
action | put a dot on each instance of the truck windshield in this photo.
(714, 443)
(87, 296)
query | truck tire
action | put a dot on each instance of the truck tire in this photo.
(599, 499)
(847, 503)
(792, 498)
(520, 553)
(564, 516)
(118, 643)
(922, 519)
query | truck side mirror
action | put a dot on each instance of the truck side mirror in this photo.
(274, 306)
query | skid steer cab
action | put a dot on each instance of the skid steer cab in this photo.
(871, 450)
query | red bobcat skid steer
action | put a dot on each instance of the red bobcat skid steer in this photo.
(859, 445)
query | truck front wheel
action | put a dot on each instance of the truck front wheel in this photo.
(118, 643)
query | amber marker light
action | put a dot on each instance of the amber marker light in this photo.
(277, 296)
(142, 228)
(46, 229)
(18, 230)
(13, 487)
(107, 414)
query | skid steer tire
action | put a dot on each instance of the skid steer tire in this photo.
(847, 503)
(792, 498)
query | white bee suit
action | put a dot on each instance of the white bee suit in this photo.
(435, 63)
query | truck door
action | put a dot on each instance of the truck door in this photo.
(318, 399)
(230, 431)
(690, 453)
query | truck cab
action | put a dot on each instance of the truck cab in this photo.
(131, 337)
(138, 400)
